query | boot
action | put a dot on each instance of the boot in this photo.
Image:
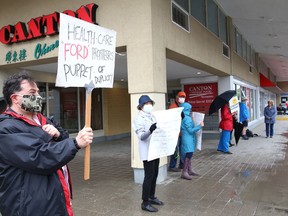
(185, 174)
(190, 171)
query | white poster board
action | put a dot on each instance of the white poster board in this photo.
(197, 118)
(164, 139)
(86, 54)
(234, 104)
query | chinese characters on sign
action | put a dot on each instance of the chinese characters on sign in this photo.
(14, 56)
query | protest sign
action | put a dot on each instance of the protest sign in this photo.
(164, 139)
(86, 53)
(86, 58)
(197, 118)
(234, 104)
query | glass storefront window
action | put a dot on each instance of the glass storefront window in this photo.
(67, 106)
(242, 91)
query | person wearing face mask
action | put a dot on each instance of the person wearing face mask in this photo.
(34, 151)
(180, 99)
(144, 125)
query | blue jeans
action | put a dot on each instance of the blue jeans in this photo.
(224, 141)
(176, 155)
(269, 130)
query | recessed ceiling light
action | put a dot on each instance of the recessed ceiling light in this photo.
(198, 73)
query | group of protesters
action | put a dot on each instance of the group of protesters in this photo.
(35, 150)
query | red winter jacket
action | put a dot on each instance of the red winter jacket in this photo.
(226, 122)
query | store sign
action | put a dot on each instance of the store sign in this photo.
(200, 96)
(43, 49)
(14, 56)
(46, 25)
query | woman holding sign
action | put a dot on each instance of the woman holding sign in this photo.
(188, 130)
(144, 125)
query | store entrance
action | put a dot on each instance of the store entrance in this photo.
(67, 106)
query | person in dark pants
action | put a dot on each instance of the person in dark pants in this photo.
(144, 124)
(270, 118)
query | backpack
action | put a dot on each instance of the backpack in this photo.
(249, 133)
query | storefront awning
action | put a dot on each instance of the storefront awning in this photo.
(269, 85)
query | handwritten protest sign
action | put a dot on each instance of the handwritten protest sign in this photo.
(197, 118)
(234, 104)
(164, 139)
(86, 53)
(86, 58)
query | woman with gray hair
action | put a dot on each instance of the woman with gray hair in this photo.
(270, 118)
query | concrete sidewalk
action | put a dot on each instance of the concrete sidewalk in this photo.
(251, 181)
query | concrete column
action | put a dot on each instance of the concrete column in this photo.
(225, 83)
(146, 75)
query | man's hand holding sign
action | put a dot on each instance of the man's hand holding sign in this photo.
(86, 58)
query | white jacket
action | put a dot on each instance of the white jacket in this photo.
(141, 125)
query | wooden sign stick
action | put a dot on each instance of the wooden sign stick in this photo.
(87, 124)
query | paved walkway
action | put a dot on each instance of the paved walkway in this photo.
(251, 181)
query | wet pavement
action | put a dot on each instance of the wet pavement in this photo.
(251, 181)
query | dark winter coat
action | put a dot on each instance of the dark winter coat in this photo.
(29, 162)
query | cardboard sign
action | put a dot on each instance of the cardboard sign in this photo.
(86, 54)
(164, 139)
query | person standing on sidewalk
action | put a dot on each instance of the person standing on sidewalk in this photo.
(180, 98)
(270, 118)
(226, 124)
(144, 124)
(244, 116)
(34, 151)
(188, 130)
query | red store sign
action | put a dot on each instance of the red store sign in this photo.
(200, 96)
(44, 25)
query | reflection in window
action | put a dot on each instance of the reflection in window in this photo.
(184, 4)
(212, 16)
(198, 10)
(223, 27)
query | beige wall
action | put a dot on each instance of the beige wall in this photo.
(240, 69)
(283, 86)
(116, 111)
